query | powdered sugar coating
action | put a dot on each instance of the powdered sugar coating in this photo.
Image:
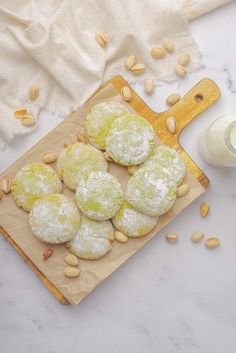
(77, 161)
(167, 158)
(99, 119)
(32, 182)
(54, 219)
(100, 196)
(92, 240)
(132, 222)
(151, 192)
(130, 140)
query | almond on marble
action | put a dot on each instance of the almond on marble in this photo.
(28, 120)
(19, 113)
(102, 39)
(138, 69)
(130, 61)
(168, 45)
(149, 86)
(157, 52)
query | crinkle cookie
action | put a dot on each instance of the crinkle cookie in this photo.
(32, 182)
(99, 119)
(54, 219)
(133, 223)
(151, 192)
(130, 140)
(92, 240)
(169, 159)
(77, 161)
(100, 196)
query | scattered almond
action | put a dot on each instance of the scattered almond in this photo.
(138, 69)
(171, 237)
(184, 59)
(28, 120)
(20, 112)
(132, 169)
(158, 52)
(182, 190)
(71, 260)
(130, 61)
(173, 99)
(197, 236)
(148, 86)
(49, 157)
(180, 70)
(47, 253)
(171, 124)
(168, 45)
(81, 138)
(6, 185)
(212, 242)
(71, 272)
(204, 209)
(121, 237)
(126, 94)
(102, 39)
(107, 157)
(33, 92)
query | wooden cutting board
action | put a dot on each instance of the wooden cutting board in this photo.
(204, 94)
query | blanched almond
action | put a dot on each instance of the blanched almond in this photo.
(138, 69)
(171, 237)
(28, 120)
(102, 39)
(148, 86)
(168, 45)
(184, 59)
(204, 209)
(157, 52)
(33, 92)
(49, 157)
(180, 70)
(81, 138)
(212, 242)
(20, 112)
(171, 124)
(6, 185)
(173, 99)
(71, 272)
(197, 236)
(71, 260)
(130, 61)
(182, 190)
(126, 94)
(121, 237)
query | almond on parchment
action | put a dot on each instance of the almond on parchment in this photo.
(182, 190)
(157, 52)
(180, 70)
(102, 39)
(71, 260)
(28, 120)
(130, 61)
(19, 113)
(168, 45)
(149, 86)
(71, 272)
(49, 157)
(33, 92)
(6, 185)
(184, 59)
(138, 69)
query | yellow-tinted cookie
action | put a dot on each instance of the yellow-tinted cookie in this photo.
(32, 182)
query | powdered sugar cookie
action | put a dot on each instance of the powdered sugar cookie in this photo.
(130, 140)
(99, 120)
(167, 158)
(54, 219)
(133, 223)
(32, 182)
(92, 240)
(77, 161)
(100, 196)
(151, 192)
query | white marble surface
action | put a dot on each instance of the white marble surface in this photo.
(168, 297)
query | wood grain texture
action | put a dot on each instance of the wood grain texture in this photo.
(204, 94)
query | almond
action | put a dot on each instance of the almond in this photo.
(180, 70)
(71, 260)
(47, 253)
(158, 52)
(102, 39)
(20, 112)
(173, 99)
(126, 94)
(71, 272)
(33, 92)
(121, 237)
(107, 157)
(81, 138)
(171, 237)
(132, 169)
(184, 59)
(212, 242)
(49, 157)
(138, 69)
(130, 61)
(204, 209)
(168, 45)
(197, 236)
(182, 190)
(28, 120)
(171, 124)
(6, 185)
(149, 86)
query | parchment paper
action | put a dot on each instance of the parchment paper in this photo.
(15, 221)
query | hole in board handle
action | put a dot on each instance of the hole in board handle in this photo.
(198, 98)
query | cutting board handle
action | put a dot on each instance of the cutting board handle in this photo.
(198, 99)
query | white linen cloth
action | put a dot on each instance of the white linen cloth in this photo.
(51, 44)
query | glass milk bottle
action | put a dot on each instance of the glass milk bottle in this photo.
(217, 143)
